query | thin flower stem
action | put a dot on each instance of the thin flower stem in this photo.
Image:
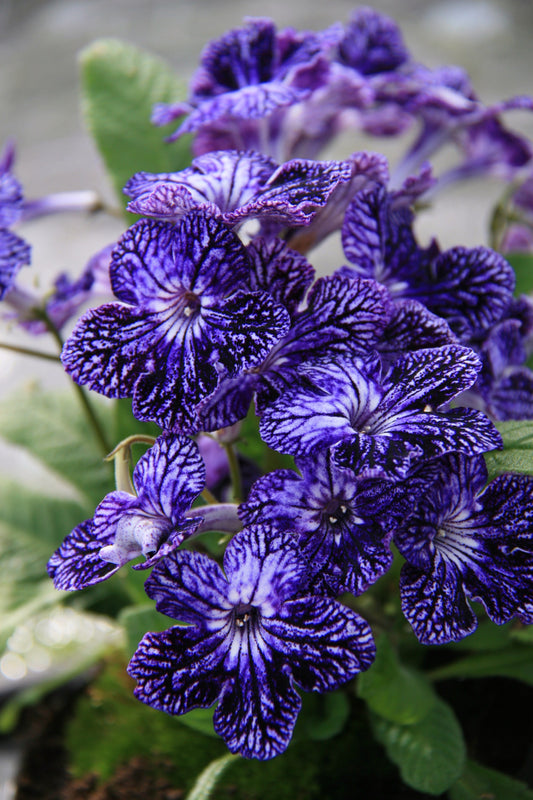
(27, 351)
(206, 782)
(136, 438)
(80, 391)
(235, 472)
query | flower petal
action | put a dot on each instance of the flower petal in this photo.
(77, 563)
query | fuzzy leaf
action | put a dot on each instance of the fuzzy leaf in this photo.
(429, 754)
(516, 661)
(517, 453)
(393, 691)
(120, 85)
(31, 527)
(60, 438)
(322, 716)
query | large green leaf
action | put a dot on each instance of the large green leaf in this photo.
(481, 783)
(120, 85)
(429, 754)
(517, 455)
(31, 527)
(54, 429)
(393, 691)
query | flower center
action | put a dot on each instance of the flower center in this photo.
(245, 615)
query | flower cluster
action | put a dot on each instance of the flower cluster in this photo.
(383, 380)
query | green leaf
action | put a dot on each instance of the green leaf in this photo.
(393, 691)
(430, 754)
(517, 453)
(253, 447)
(120, 85)
(138, 620)
(60, 438)
(522, 263)
(516, 661)
(522, 634)
(31, 527)
(201, 720)
(487, 636)
(322, 716)
(481, 783)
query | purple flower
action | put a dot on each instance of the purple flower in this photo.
(385, 421)
(185, 320)
(450, 112)
(250, 72)
(470, 288)
(235, 186)
(342, 522)
(152, 522)
(343, 317)
(463, 541)
(372, 43)
(505, 383)
(14, 251)
(254, 635)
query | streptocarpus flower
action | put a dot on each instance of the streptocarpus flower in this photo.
(469, 287)
(235, 186)
(152, 522)
(186, 320)
(463, 541)
(342, 521)
(372, 420)
(344, 317)
(249, 73)
(254, 635)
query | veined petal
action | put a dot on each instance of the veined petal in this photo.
(264, 568)
(435, 605)
(280, 271)
(14, 254)
(325, 643)
(190, 587)
(249, 102)
(176, 671)
(170, 476)
(77, 563)
(222, 180)
(470, 288)
(257, 712)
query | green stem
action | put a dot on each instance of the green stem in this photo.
(136, 438)
(209, 497)
(235, 472)
(80, 391)
(27, 351)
